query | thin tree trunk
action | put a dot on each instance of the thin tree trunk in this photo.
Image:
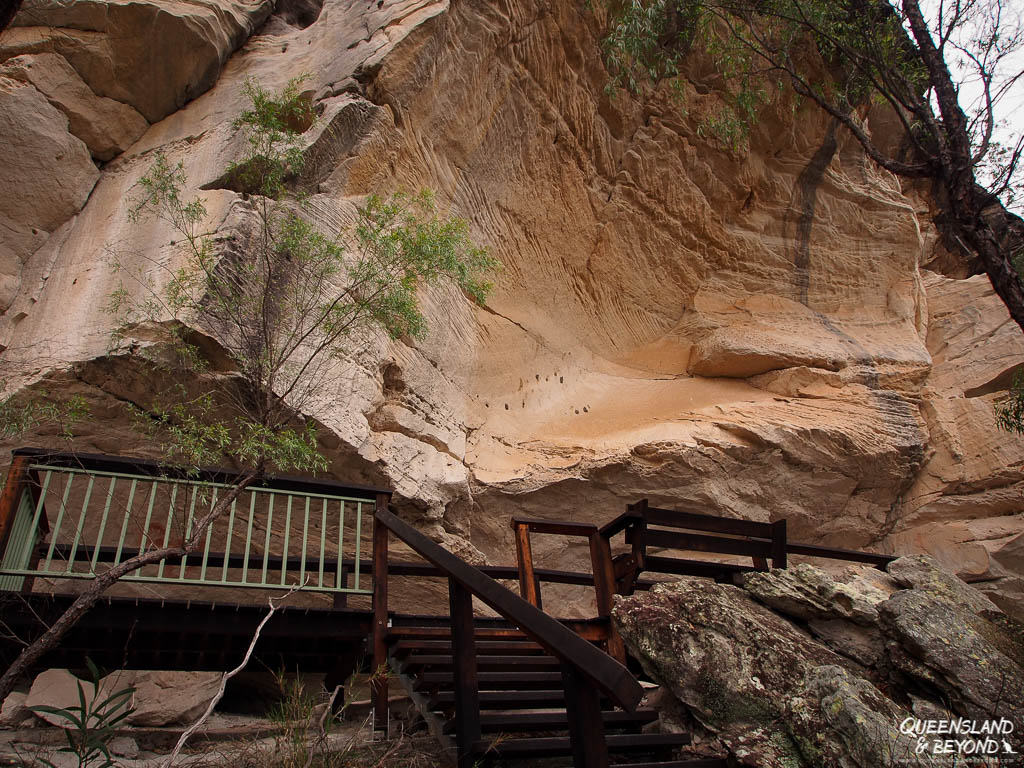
(85, 601)
(960, 185)
(183, 739)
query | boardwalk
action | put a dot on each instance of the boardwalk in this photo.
(65, 518)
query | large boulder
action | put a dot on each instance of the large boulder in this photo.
(58, 688)
(975, 663)
(806, 592)
(772, 695)
(14, 711)
(166, 697)
(923, 574)
(159, 698)
(884, 655)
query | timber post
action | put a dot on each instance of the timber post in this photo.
(379, 673)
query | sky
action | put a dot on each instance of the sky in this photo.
(1009, 112)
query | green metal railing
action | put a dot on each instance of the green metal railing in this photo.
(71, 516)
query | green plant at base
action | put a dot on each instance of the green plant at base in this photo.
(91, 724)
(295, 744)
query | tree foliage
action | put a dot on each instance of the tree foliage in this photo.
(1010, 412)
(279, 299)
(23, 412)
(846, 56)
(282, 298)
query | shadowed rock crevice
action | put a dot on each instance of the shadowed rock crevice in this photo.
(298, 13)
(328, 141)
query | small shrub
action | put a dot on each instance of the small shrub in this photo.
(91, 724)
(1010, 413)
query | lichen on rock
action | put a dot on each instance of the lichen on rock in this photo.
(775, 695)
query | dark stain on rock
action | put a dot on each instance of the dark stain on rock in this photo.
(802, 206)
(899, 415)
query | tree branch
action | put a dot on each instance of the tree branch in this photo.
(272, 607)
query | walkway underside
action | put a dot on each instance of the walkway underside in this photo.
(143, 633)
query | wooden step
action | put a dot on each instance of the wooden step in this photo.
(703, 762)
(555, 746)
(492, 680)
(506, 699)
(483, 647)
(480, 633)
(554, 720)
(483, 663)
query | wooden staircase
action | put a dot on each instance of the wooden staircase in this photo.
(524, 687)
(522, 702)
(528, 686)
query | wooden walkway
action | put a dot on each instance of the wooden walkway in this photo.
(549, 687)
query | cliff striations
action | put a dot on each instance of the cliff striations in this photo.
(746, 334)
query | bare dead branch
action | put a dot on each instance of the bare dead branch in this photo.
(272, 605)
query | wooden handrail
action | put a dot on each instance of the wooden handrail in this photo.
(529, 582)
(697, 542)
(596, 666)
(691, 521)
(620, 523)
(602, 569)
(758, 540)
(812, 550)
(96, 462)
(108, 554)
(559, 527)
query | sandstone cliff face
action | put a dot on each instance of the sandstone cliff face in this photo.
(748, 335)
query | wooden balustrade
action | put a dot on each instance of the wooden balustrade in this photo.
(647, 527)
(32, 496)
(587, 671)
(64, 516)
(602, 574)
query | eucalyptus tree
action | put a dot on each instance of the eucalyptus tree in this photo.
(944, 70)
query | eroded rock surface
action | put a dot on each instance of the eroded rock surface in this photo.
(154, 56)
(106, 126)
(805, 592)
(749, 336)
(775, 695)
(46, 174)
(14, 711)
